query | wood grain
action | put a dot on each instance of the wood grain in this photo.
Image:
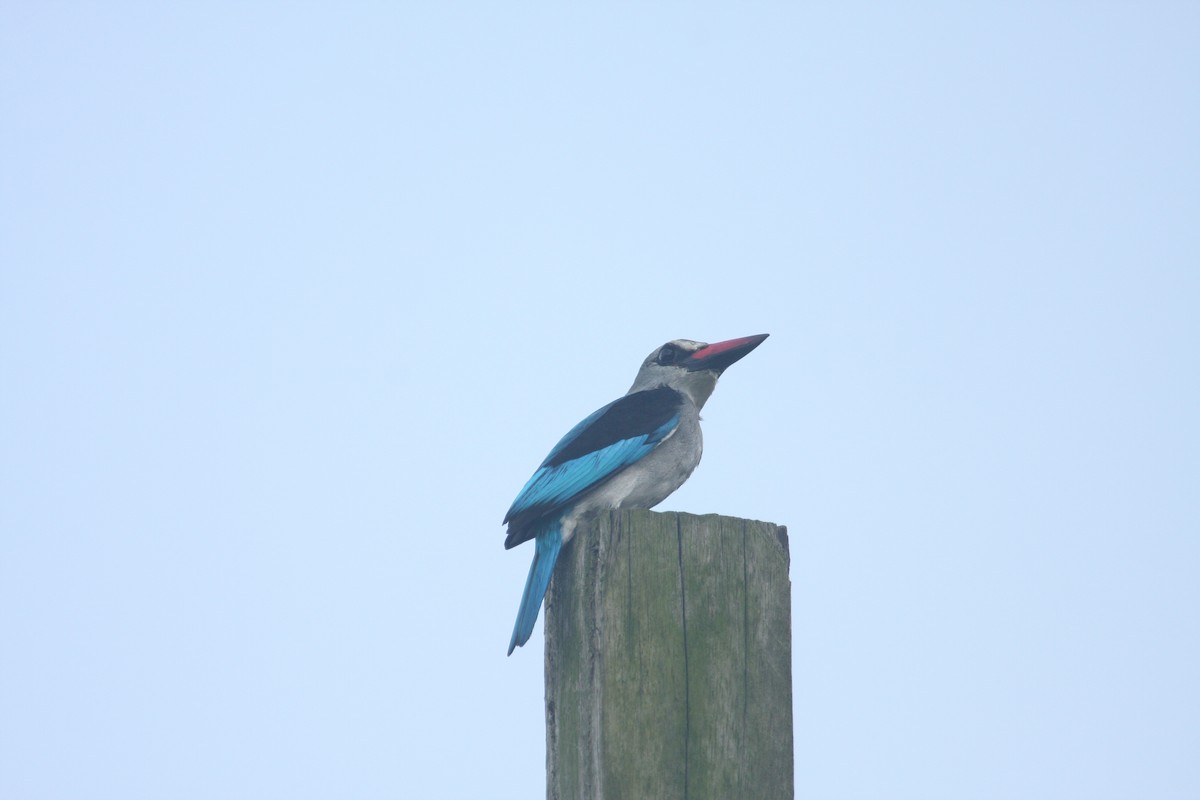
(668, 660)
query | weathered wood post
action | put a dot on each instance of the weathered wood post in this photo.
(669, 660)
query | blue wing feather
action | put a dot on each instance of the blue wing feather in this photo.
(556, 485)
(570, 436)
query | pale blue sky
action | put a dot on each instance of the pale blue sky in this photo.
(293, 300)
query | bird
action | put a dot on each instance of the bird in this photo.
(632, 453)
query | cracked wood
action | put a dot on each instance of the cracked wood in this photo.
(668, 660)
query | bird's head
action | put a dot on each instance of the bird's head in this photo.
(692, 367)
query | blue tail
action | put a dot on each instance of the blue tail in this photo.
(549, 542)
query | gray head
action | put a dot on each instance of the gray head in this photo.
(692, 367)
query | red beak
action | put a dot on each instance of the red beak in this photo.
(719, 355)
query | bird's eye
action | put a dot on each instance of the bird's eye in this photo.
(667, 355)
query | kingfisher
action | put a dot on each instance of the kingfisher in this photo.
(632, 453)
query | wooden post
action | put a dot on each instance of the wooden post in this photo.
(669, 660)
